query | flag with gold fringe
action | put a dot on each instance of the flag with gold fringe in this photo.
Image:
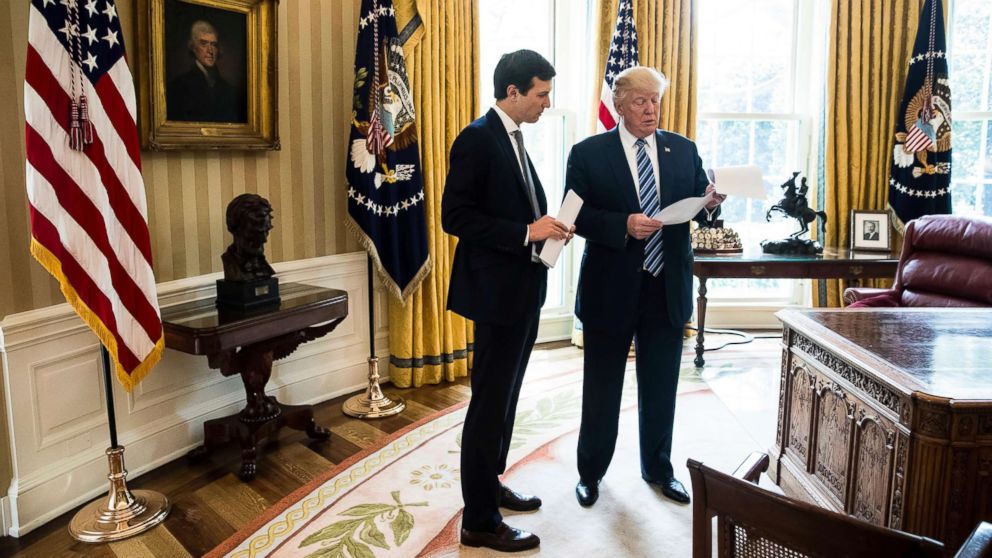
(920, 179)
(385, 191)
(89, 224)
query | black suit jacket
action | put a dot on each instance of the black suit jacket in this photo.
(485, 204)
(611, 273)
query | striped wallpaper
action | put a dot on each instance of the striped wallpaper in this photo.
(188, 191)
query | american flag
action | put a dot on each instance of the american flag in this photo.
(622, 55)
(89, 225)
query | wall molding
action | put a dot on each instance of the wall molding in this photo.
(58, 437)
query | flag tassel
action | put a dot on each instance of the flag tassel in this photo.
(75, 128)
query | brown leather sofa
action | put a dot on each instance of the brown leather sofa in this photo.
(946, 260)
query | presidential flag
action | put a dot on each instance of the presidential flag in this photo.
(89, 225)
(622, 55)
(920, 179)
(385, 192)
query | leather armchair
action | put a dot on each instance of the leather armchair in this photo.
(946, 260)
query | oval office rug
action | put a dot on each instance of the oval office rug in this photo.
(403, 498)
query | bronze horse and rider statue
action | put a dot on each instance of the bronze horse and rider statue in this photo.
(795, 204)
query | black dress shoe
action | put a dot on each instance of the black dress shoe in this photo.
(516, 501)
(587, 492)
(672, 489)
(505, 539)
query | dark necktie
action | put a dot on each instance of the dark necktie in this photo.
(529, 183)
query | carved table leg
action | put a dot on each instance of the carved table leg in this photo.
(700, 322)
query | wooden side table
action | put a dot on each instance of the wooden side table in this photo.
(834, 263)
(248, 345)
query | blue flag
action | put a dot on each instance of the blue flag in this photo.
(385, 192)
(920, 180)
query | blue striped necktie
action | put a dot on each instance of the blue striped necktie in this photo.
(650, 205)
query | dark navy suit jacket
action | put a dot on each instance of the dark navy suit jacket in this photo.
(486, 205)
(611, 274)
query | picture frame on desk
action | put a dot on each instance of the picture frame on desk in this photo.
(207, 74)
(871, 231)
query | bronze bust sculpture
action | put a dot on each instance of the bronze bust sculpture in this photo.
(248, 283)
(249, 219)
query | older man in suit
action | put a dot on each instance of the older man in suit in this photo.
(636, 277)
(493, 202)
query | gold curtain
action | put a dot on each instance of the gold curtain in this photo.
(667, 35)
(428, 344)
(870, 42)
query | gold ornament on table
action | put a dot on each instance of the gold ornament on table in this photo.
(713, 237)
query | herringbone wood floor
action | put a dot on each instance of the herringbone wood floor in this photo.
(209, 501)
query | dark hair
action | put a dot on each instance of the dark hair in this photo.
(520, 68)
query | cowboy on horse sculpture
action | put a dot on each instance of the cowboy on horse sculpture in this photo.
(794, 204)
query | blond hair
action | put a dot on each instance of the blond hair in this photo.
(639, 78)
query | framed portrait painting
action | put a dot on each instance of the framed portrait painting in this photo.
(208, 74)
(870, 231)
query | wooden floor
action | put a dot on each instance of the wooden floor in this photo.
(210, 503)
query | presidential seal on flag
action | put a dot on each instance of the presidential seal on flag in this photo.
(920, 177)
(385, 192)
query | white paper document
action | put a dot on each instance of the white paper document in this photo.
(569, 211)
(682, 210)
(742, 182)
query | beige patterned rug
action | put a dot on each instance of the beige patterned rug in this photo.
(404, 498)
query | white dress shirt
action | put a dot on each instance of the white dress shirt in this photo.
(630, 150)
(511, 127)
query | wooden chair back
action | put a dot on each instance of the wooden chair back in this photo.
(752, 522)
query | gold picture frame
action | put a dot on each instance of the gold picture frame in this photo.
(207, 74)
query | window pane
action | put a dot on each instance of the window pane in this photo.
(971, 55)
(963, 198)
(745, 62)
(509, 25)
(967, 142)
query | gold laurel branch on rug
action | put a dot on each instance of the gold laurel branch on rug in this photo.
(276, 529)
(549, 412)
(360, 534)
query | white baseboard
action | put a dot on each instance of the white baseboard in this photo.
(55, 403)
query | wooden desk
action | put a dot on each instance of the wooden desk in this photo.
(834, 263)
(886, 415)
(247, 345)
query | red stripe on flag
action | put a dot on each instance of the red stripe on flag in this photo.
(41, 80)
(78, 205)
(91, 295)
(120, 117)
(605, 118)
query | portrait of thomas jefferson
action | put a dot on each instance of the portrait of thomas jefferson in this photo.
(205, 65)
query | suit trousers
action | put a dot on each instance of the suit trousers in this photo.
(658, 346)
(501, 355)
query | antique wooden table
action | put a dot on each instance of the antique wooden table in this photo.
(247, 345)
(834, 263)
(886, 414)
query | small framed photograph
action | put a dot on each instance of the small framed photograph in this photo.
(870, 231)
(208, 74)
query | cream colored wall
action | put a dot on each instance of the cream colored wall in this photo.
(187, 192)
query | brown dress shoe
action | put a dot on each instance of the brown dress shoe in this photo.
(516, 501)
(505, 539)
(587, 492)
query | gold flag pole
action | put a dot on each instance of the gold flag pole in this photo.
(123, 513)
(373, 403)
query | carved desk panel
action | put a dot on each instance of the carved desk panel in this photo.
(886, 415)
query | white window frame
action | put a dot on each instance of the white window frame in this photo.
(983, 116)
(810, 19)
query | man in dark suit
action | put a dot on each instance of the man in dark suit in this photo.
(493, 202)
(636, 277)
(202, 94)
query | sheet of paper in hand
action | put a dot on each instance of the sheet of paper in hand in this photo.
(569, 211)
